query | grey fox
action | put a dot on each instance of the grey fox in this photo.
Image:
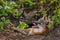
(43, 26)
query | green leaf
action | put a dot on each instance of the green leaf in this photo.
(1, 24)
(22, 25)
(16, 14)
(58, 11)
(51, 25)
(44, 12)
(58, 1)
(3, 19)
(7, 21)
(57, 19)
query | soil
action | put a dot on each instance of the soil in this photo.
(53, 35)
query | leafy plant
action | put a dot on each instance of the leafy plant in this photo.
(30, 3)
(2, 2)
(22, 25)
(58, 12)
(51, 25)
(27, 3)
(42, 2)
(44, 12)
(16, 14)
(9, 7)
(56, 19)
(1, 26)
(58, 1)
(5, 21)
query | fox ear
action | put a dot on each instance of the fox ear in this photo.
(44, 17)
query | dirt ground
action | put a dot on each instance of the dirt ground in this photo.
(53, 35)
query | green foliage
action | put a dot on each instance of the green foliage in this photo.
(51, 25)
(58, 11)
(16, 14)
(56, 19)
(44, 12)
(8, 9)
(3, 11)
(28, 3)
(58, 1)
(2, 2)
(1, 29)
(11, 6)
(5, 21)
(1, 24)
(22, 25)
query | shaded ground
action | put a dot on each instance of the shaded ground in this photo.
(54, 35)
